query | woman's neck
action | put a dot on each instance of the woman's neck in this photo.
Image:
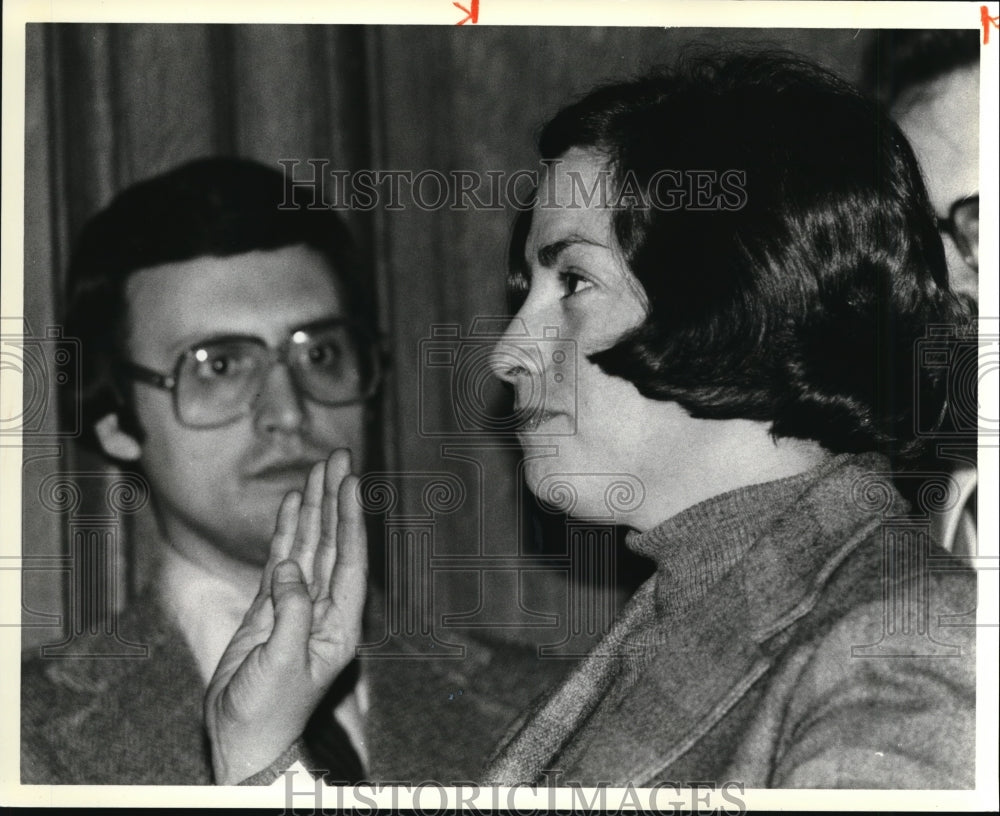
(717, 457)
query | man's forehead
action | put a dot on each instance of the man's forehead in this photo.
(263, 293)
(941, 121)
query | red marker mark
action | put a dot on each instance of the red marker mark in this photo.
(473, 14)
(984, 17)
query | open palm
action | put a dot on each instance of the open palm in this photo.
(301, 630)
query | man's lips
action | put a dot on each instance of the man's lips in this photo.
(285, 469)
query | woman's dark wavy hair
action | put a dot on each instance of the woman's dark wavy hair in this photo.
(208, 207)
(804, 307)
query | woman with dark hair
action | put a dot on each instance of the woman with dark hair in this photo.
(744, 256)
(747, 302)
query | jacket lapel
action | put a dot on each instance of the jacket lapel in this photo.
(702, 667)
(145, 713)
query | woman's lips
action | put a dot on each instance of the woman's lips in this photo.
(534, 421)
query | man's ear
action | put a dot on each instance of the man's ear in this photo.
(116, 443)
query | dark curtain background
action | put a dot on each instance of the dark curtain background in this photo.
(108, 105)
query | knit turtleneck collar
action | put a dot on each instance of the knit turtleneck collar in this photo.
(695, 548)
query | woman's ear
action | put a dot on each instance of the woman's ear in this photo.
(116, 443)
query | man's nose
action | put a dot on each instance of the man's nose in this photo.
(279, 405)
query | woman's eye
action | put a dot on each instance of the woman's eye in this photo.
(573, 283)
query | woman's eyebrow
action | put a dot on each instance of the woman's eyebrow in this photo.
(549, 254)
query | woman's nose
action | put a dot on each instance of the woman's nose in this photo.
(511, 359)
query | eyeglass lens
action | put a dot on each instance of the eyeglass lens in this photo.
(219, 381)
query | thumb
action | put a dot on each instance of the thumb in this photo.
(289, 641)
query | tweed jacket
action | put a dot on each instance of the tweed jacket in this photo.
(139, 721)
(838, 651)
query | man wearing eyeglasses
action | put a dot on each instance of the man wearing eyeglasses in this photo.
(929, 80)
(227, 349)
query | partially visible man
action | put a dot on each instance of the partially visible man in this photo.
(929, 80)
(227, 349)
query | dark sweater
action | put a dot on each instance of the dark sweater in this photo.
(762, 651)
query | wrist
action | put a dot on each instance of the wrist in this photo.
(257, 770)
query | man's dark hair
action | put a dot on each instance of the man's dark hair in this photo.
(803, 306)
(898, 61)
(207, 207)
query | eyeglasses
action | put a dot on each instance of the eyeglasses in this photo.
(962, 224)
(217, 381)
